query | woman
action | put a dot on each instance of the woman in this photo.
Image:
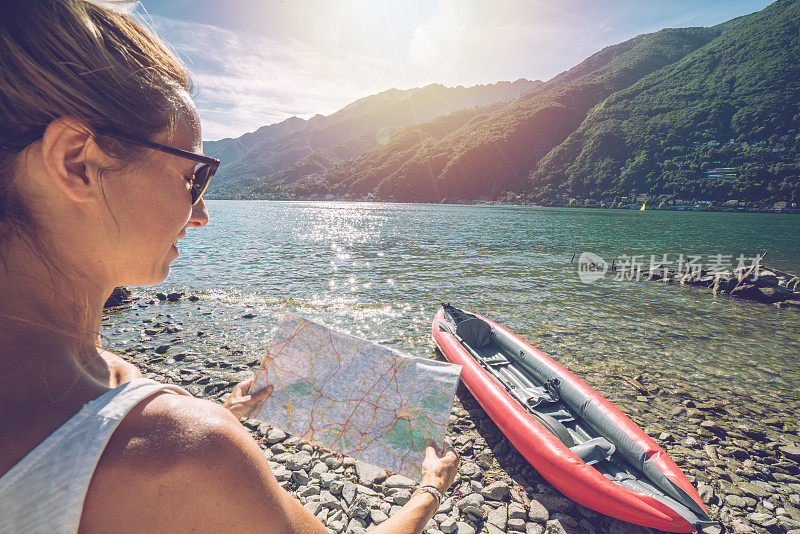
(100, 177)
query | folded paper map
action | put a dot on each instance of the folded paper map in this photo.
(356, 397)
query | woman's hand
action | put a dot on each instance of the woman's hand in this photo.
(439, 471)
(241, 404)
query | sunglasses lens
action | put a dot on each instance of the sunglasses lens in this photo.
(201, 178)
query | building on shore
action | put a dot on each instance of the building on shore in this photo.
(722, 173)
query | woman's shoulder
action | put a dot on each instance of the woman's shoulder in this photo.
(172, 457)
(168, 431)
(122, 371)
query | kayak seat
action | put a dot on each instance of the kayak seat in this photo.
(554, 427)
(475, 332)
(595, 450)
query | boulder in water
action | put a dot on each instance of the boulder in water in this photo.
(765, 279)
(723, 284)
(762, 294)
(120, 296)
(793, 284)
(792, 303)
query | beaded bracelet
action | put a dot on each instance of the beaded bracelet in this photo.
(432, 490)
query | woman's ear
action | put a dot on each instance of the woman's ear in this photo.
(72, 159)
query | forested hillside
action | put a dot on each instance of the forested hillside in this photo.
(361, 175)
(734, 104)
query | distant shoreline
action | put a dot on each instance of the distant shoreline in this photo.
(713, 209)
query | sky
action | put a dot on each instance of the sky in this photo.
(258, 62)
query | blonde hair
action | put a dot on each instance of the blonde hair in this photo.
(81, 59)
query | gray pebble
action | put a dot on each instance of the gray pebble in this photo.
(470, 470)
(473, 499)
(498, 517)
(516, 511)
(318, 470)
(308, 491)
(275, 435)
(484, 459)
(764, 520)
(537, 512)
(360, 508)
(497, 491)
(337, 485)
(378, 516)
(312, 507)
(357, 525)
(448, 525)
(299, 461)
(516, 525)
(399, 481)
(348, 491)
(300, 477)
(735, 501)
(369, 474)
(555, 503)
(400, 497)
(327, 500)
(333, 462)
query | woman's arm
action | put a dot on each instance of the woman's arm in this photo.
(438, 472)
(177, 463)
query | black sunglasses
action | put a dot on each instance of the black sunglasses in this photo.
(201, 176)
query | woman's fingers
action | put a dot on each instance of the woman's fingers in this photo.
(430, 450)
(243, 386)
(263, 393)
(448, 451)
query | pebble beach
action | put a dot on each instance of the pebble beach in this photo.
(742, 454)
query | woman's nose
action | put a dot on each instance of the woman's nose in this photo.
(199, 215)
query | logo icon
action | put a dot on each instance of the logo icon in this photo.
(591, 267)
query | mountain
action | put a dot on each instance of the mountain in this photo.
(733, 103)
(229, 149)
(349, 132)
(362, 175)
(654, 115)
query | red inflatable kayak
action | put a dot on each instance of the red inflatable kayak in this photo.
(576, 439)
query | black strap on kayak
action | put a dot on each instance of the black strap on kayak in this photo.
(552, 386)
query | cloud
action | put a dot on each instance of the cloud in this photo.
(244, 81)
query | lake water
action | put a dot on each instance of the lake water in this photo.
(380, 271)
